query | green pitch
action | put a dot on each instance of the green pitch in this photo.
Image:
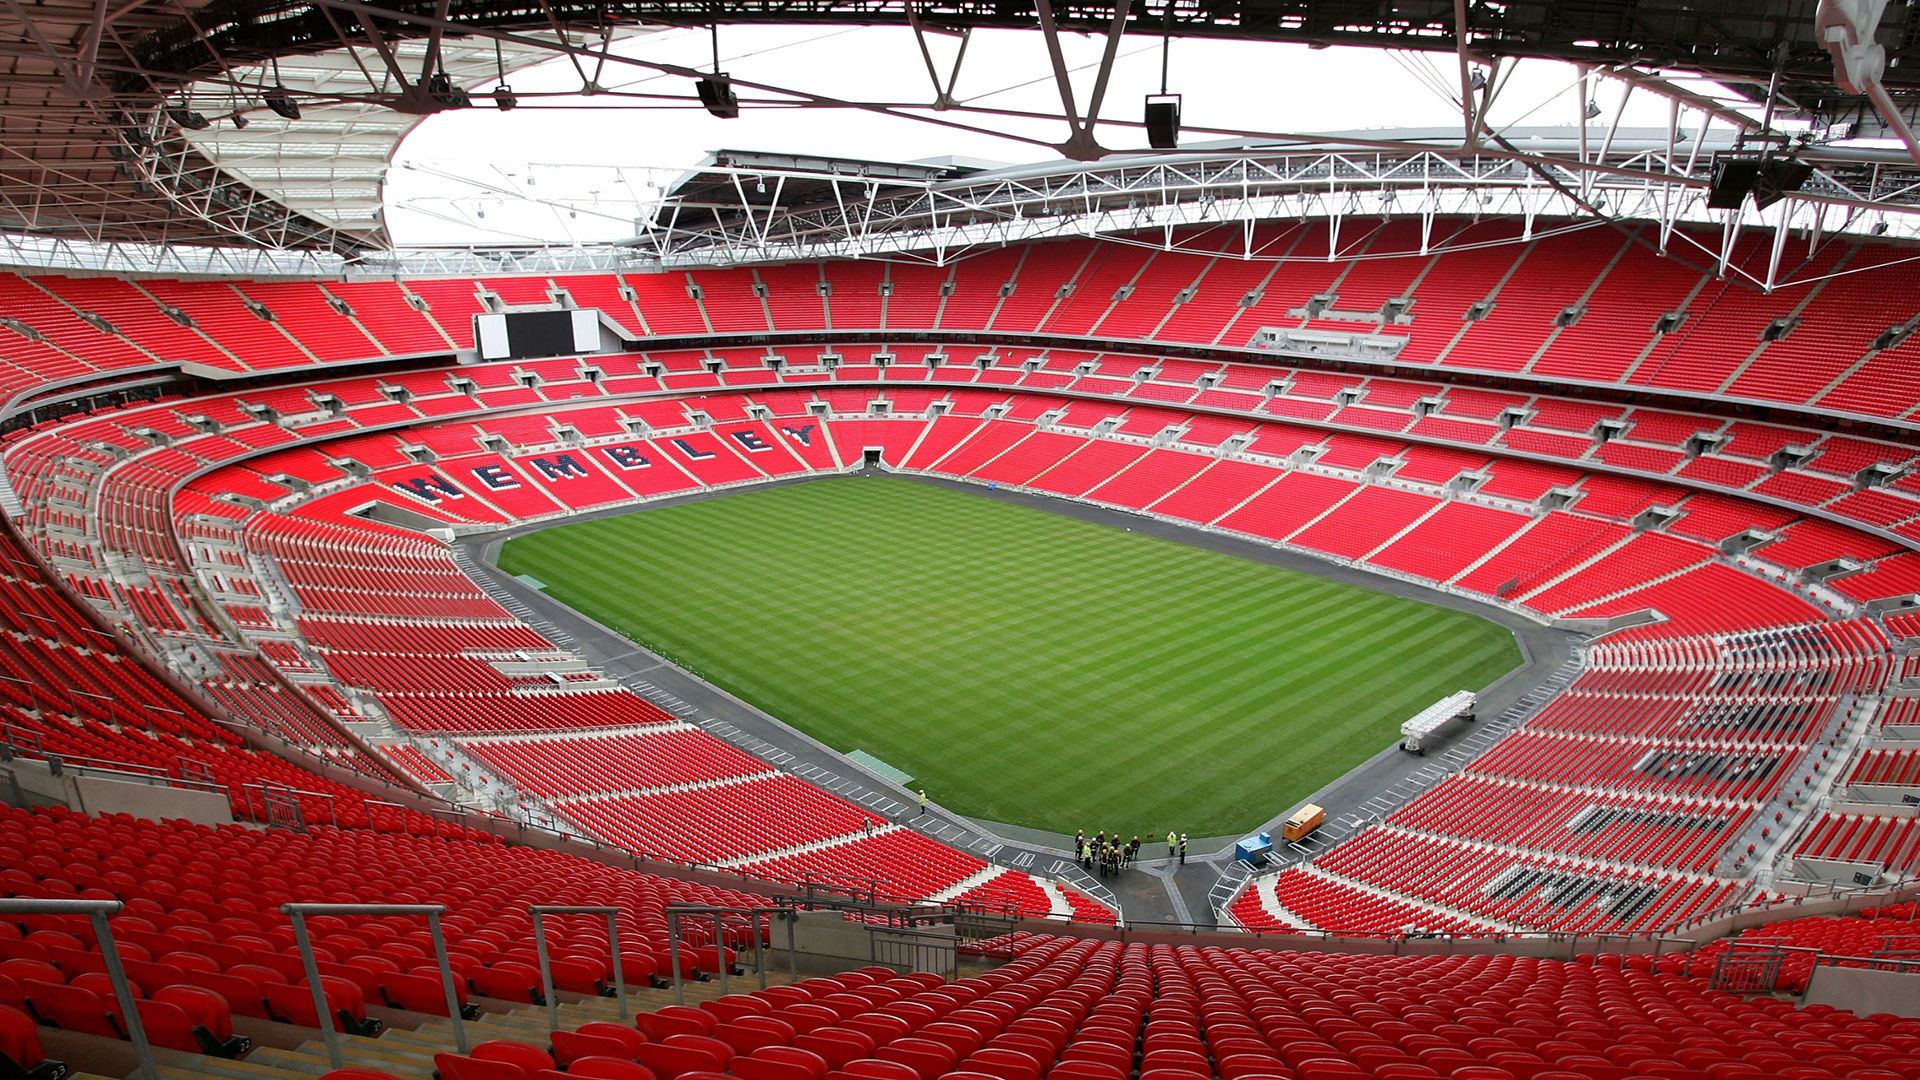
(1025, 667)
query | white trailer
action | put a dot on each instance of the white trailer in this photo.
(1417, 732)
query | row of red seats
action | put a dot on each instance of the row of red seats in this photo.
(614, 762)
(1308, 395)
(1889, 842)
(1872, 932)
(1691, 850)
(1085, 287)
(202, 910)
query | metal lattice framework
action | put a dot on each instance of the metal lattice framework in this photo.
(111, 113)
(1166, 199)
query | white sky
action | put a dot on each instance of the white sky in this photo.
(464, 177)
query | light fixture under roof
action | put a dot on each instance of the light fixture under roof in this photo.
(716, 93)
(283, 104)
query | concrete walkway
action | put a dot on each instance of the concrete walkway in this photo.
(1154, 890)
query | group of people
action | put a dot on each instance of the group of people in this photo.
(1110, 854)
(1113, 855)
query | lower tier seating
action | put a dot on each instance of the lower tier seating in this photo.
(202, 910)
(1891, 931)
(1101, 1010)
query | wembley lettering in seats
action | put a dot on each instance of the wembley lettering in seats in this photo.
(429, 488)
(750, 439)
(496, 477)
(800, 433)
(559, 467)
(626, 457)
(692, 452)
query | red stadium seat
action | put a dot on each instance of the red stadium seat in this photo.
(670, 1062)
(457, 1067)
(530, 1059)
(568, 1045)
(211, 1018)
(609, 1068)
(20, 1044)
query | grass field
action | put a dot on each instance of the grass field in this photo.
(1026, 667)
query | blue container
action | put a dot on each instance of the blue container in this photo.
(1254, 849)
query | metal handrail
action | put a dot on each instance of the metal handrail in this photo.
(720, 915)
(538, 911)
(946, 945)
(58, 760)
(97, 911)
(263, 786)
(299, 912)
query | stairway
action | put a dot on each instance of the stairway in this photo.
(407, 1054)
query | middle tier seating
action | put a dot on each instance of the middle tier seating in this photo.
(386, 613)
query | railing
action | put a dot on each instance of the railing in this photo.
(1815, 891)
(60, 764)
(829, 881)
(723, 917)
(1881, 961)
(97, 911)
(1752, 967)
(539, 912)
(915, 950)
(280, 795)
(299, 912)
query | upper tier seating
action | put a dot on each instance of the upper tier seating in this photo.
(1084, 287)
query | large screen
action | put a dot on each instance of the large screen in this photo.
(513, 335)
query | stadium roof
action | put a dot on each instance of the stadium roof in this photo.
(118, 118)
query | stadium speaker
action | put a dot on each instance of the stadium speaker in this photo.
(1730, 181)
(716, 93)
(1779, 179)
(188, 118)
(282, 104)
(1163, 121)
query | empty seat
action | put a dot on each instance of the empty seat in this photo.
(458, 1067)
(20, 1043)
(212, 1020)
(609, 1068)
(71, 1008)
(425, 994)
(170, 1026)
(345, 1010)
(242, 995)
(507, 981)
(669, 1062)
(629, 1038)
(569, 1045)
(530, 1058)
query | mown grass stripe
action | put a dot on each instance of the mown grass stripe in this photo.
(1024, 666)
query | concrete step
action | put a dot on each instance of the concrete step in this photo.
(407, 1054)
(408, 1063)
(397, 1054)
(212, 1069)
(206, 1068)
